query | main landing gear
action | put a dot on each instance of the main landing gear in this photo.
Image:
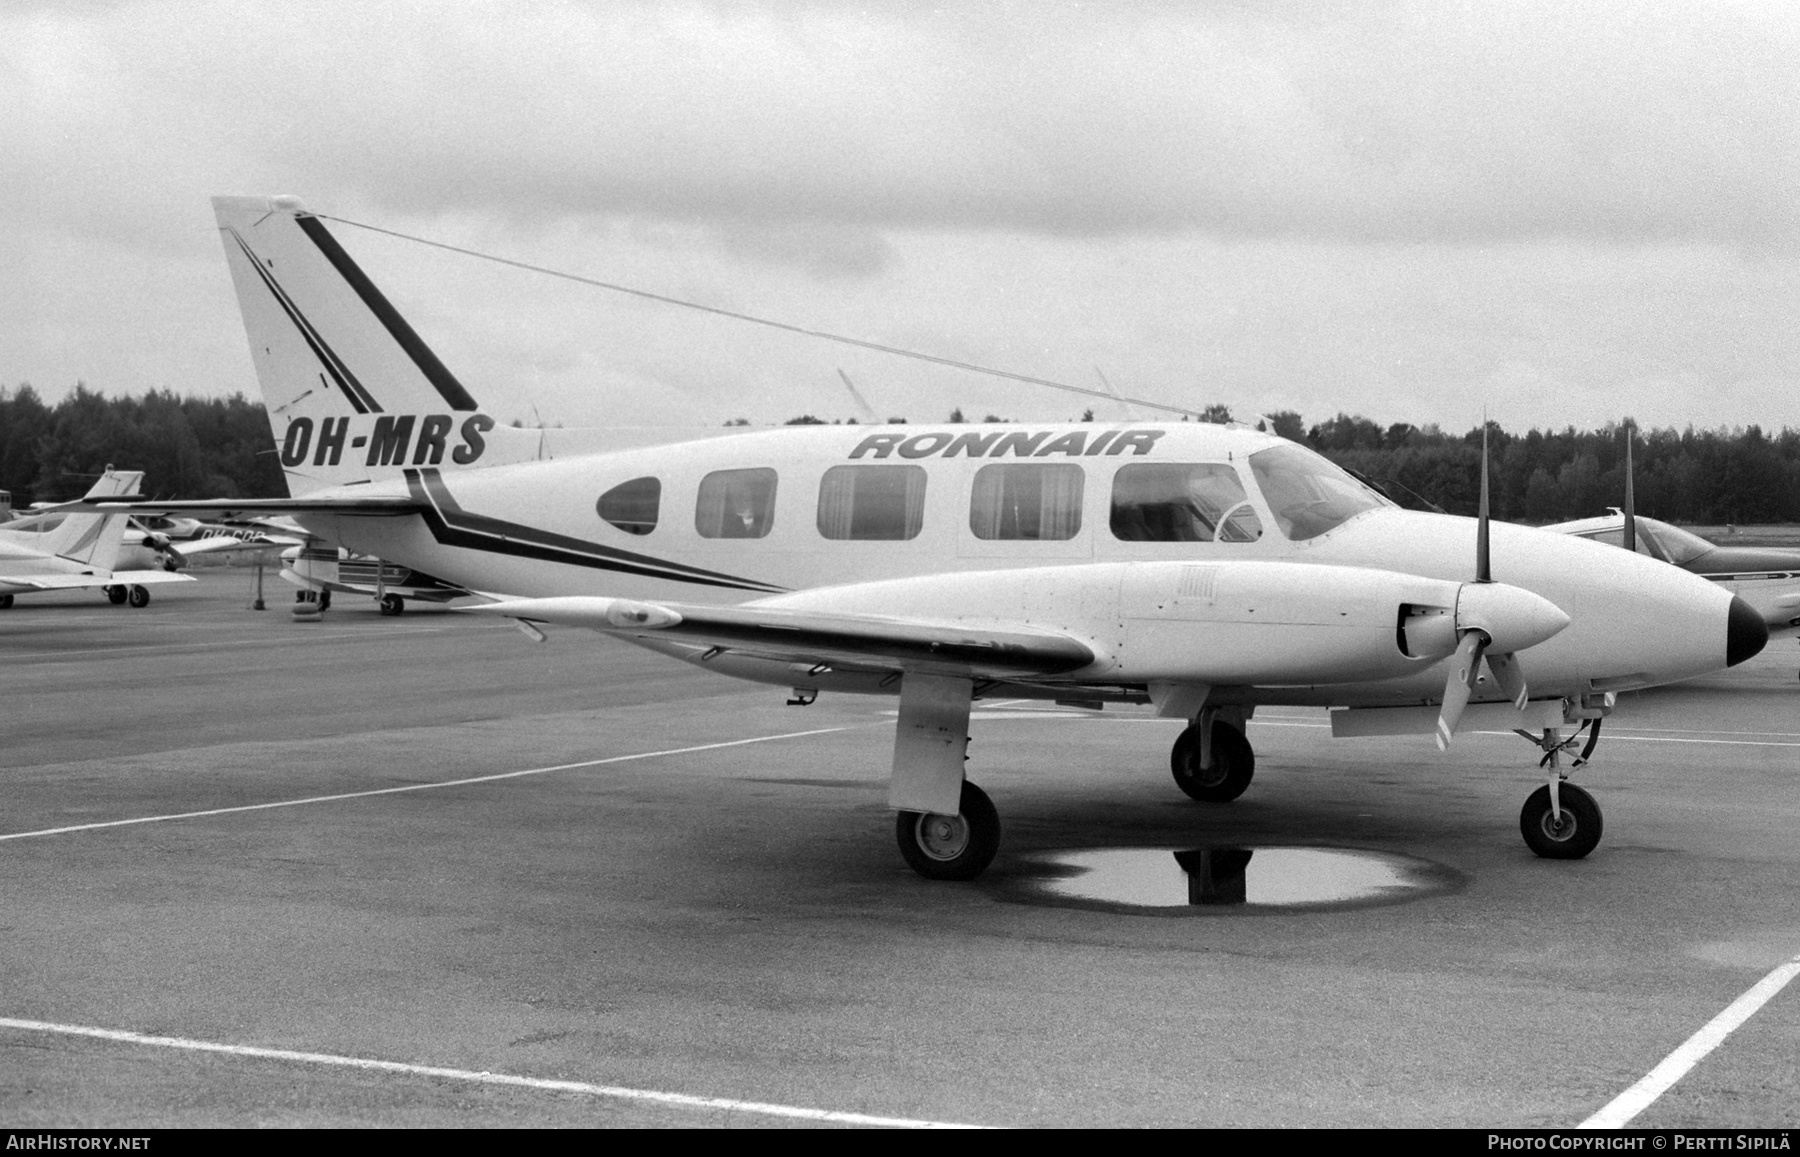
(1212, 761)
(391, 604)
(137, 596)
(958, 847)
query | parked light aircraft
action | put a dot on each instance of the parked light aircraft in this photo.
(66, 550)
(1206, 570)
(315, 566)
(139, 549)
(319, 568)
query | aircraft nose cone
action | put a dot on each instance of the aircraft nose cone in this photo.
(1745, 632)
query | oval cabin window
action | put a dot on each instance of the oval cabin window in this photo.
(632, 506)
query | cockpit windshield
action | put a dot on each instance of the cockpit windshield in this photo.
(1307, 494)
(1678, 544)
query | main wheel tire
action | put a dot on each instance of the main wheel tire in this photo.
(138, 596)
(114, 595)
(324, 600)
(1574, 837)
(392, 604)
(5, 602)
(958, 847)
(1233, 764)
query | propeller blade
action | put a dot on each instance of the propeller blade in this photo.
(1511, 677)
(1630, 499)
(1463, 668)
(1483, 573)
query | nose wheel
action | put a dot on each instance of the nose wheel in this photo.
(958, 847)
(1569, 831)
(1559, 820)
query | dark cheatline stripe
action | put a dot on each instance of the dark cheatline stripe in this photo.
(353, 390)
(434, 370)
(453, 526)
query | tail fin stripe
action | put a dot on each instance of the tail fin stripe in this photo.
(434, 370)
(358, 397)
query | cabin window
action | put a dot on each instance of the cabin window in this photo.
(1203, 502)
(1307, 493)
(736, 504)
(1035, 501)
(872, 502)
(632, 506)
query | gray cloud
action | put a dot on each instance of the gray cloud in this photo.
(1355, 122)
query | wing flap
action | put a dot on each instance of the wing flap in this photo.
(989, 649)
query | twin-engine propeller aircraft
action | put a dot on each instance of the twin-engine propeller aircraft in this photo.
(69, 550)
(1206, 570)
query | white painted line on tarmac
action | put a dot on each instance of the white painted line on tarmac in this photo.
(1716, 742)
(1658, 1080)
(266, 644)
(617, 1092)
(220, 811)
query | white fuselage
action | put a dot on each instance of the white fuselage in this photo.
(548, 528)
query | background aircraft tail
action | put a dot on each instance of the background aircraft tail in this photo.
(353, 393)
(94, 539)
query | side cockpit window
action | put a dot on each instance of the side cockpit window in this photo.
(872, 502)
(632, 506)
(1308, 494)
(736, 504)
(1203, 502)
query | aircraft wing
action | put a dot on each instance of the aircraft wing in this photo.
(847, 640)
(123, 578)
(370, 506)
(222, 543)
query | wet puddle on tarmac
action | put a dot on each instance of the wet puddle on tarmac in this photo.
(1227, 878)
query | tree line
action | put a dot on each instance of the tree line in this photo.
(1694, 476)
(186, 447)
(220, 448)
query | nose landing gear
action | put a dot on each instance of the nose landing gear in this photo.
(1559, 820)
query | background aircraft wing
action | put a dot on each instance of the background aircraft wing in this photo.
(371, 506)
(63, 582)
(223, 543)
(843, 640)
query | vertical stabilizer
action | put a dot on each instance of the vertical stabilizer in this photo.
(352, 391)
(94, 540)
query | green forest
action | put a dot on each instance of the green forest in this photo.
(220, 448)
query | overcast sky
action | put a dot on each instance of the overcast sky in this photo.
(1561, 213)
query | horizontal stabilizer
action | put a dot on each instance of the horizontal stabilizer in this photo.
(1007, 649)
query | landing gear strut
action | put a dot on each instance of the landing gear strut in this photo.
(958, 847)
(1561, 821)
(1229, 761)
